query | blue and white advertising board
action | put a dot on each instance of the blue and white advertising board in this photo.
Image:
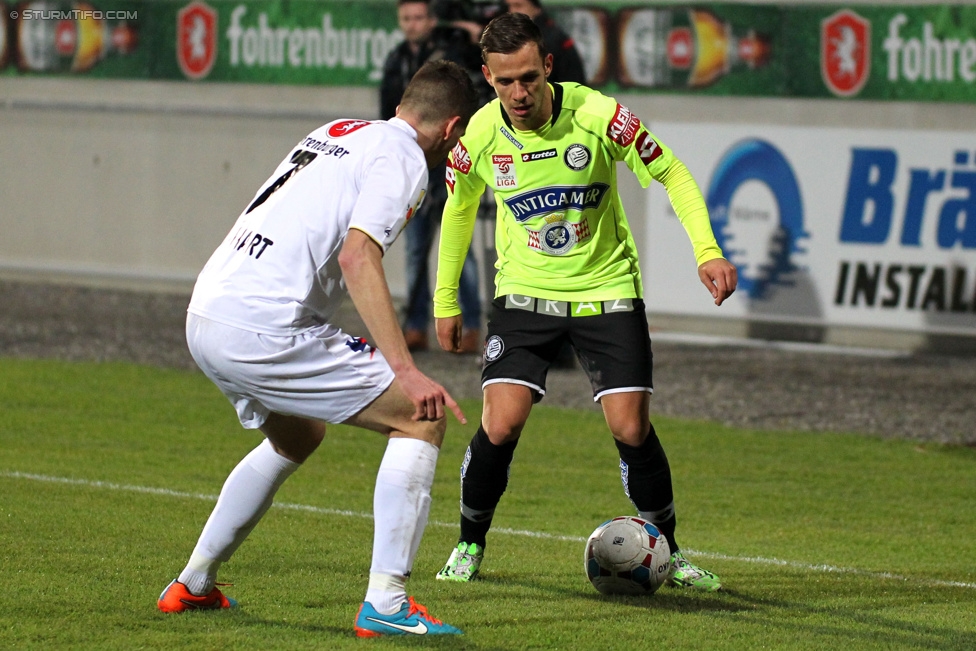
(832, 227)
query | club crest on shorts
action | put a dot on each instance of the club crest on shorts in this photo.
(360, 345)
(494, 348)
(577, 157)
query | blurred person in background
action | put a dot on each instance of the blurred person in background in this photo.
(567, 64)
(423, 41)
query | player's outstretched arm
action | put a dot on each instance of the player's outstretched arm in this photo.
(720, 278)
(361, 260)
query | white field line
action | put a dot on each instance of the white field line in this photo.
(830, 569)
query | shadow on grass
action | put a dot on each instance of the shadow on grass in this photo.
(670, 599)
(850, 621)
(856, 621)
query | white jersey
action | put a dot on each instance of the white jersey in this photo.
(277, 272)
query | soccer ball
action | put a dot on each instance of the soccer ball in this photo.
(627, 555)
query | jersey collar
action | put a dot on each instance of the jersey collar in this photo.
(557, 106)
(404, 126)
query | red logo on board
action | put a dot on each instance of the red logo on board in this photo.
(196, 39)
(681, 48)
(845, 52)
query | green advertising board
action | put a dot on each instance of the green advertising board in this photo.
(318, 42)
(283, 42)
(917, 53)
(873, 52)
(712, 49)
(76, 38)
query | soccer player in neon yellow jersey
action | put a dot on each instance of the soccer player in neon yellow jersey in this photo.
(567, 270)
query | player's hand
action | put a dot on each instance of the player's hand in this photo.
(428, 397)
(449, 332)
(720, 278)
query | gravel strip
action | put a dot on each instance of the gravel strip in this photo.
(922, 397)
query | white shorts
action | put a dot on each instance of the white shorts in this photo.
(323, 373)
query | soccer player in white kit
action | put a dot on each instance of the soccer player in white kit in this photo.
(259, 328)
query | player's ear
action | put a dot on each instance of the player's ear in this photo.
(547, 65)
(487, 73)
(450, 126)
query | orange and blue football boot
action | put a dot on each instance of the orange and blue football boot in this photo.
(177, 599)
(411, 619)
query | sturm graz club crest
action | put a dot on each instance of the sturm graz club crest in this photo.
(494, 348)
(558, 237)
(576, 157)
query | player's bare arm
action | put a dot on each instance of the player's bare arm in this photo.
(720, 278)
(361, 260)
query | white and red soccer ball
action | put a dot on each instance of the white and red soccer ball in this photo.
(627, 555)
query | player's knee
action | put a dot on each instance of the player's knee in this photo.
(630, 431)
(501, 431)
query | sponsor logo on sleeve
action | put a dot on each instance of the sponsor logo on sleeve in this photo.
(412, 210)
(345, 127)
(460, 159)
(647, 148)
(530, 156)
(449, 176)
(624, 126)
(504, 166)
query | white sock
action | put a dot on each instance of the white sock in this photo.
(401, 504)
(386, 593)
(246, 496)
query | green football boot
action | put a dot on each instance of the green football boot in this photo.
(464, 563)
(686, 575)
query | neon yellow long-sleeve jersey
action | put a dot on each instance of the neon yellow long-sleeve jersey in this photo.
(561, 232)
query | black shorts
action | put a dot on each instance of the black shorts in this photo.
(611, 342)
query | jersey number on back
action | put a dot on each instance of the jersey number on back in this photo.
(300, 158)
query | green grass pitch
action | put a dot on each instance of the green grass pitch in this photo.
(823, 541)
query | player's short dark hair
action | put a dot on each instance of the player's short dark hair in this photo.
(509, 33)
(410, 2)
(440, 90)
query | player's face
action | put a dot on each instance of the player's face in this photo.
(519, 79)
(415, 21)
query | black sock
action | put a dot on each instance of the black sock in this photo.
(484, 477)
(646, 476)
